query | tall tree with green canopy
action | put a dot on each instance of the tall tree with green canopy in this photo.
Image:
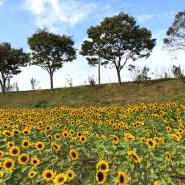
(175, 40)
(115, 41)
(50, 51)
(10, 62)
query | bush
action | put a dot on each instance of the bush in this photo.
(41, 103)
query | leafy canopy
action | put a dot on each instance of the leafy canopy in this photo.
(50, 51)
(116, 40)
(175, 40)
(10, 62)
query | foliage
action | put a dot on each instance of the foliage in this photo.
(130, 144)
(70, 80)
(34, 83)
(10, 62)
(176, 34)
(41, 103)
(116, 40)
(162, 73)
(140, 74)
(105, 94)
(51, 51)
(177, 72)
(92, 81)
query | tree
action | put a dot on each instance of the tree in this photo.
(175, 40)
(10, 62)
(116, 40)
(51, 51)
(34, 83)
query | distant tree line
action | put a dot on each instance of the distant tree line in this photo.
(114, 42)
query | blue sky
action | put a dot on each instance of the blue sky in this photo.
(19, 19)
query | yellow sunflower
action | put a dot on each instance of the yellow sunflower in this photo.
(55, 146)
(14, 151)
(151, 143)
(102, 165)
(65, 134)
(70, 174)
(10, 144)
(48, 128)
(129, 137)
(83, 139)
(1, 153)
(60, 179)
(122, 178)
(73, 154)
(49, 137)
(57, 136)
(8, 164)
(1, 174)
(134, 156)
(115, 140)
(26, 132)
(35, 161)
(23, 159)
(7, 133)
(156, 183)
(168, 129)
(72, 132)
(16, 132)
(168, 156)
(79, 134)
(32, 174)
(176, 137)
(101, 177)
(39, 145)
(25, 143)
(48, 175)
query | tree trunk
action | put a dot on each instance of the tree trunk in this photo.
(51, 81)
(98, 71)
(119, 76)
(3, 86)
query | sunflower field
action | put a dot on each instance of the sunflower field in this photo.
(113, 145)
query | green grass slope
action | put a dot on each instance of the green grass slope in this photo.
(169, 90)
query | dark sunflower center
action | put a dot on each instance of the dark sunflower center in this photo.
(48, 175)
(25, 143)
(83, 139)
(14, 151)
(39, 146)
(8, 133)
(24, 158)
(55, 147)
(103, 167)
(8, 164)
(74, 154)
(100, 176)
(121, 179)
(134, 157)
(150, 143)
(61, 179)
(70, 175)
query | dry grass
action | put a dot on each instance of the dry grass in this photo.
(169, 90)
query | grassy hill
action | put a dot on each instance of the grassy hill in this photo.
(163, 90)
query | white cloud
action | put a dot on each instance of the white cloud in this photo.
(36, 7)
(50, 12)
(144, 17)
